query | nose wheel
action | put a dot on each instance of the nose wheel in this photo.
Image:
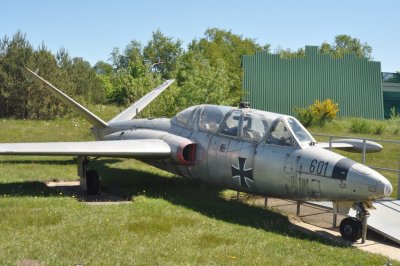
(352, 229)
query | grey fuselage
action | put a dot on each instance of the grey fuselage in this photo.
(255, 152)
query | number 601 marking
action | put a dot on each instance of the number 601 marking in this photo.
(318, 167)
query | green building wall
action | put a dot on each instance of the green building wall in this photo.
(279, 85)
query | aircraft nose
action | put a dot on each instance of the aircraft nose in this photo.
(384, 188)
(377, 183)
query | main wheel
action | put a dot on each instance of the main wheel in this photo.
(92, 182)
(350, 229)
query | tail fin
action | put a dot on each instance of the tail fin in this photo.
(89, 116)
(138, 106)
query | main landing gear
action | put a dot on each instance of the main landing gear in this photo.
(353, 229)
(89, 179)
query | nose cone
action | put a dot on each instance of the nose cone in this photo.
(375, 185)
(384, 188)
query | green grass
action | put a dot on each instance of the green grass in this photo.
(169, 220)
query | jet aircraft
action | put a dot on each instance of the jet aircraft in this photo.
(243, 149)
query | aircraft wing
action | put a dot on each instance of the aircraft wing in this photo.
(139, 148)
(352, 145)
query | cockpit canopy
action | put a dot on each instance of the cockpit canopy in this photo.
(247, 124)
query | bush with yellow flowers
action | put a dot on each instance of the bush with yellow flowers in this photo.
(318, 113)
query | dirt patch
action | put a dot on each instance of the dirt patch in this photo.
(28, 262)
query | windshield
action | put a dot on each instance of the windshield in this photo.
(299, 131)
(280, 135)
(255, 125)
(182, 117)
(211, 117)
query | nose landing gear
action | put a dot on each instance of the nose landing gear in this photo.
(353, 229)
(350, 229)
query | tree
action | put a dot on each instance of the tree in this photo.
(76, 77)
(291, 54)
(22, 97)
(136, 62)
(15, 56)
(103, 68)
(200, 82)
(345, 44)
(223, 46)
(128, 89)
(85, 80)
(131, 76)
(41, 104)
(63, 58)
(119, 61)
(163, 54)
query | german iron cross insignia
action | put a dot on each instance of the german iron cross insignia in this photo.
(245, 175)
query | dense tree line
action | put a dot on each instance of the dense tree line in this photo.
(207, 71)
(21, 97)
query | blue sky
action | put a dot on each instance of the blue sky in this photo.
(91, 28)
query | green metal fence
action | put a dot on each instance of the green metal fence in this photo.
(279, 85)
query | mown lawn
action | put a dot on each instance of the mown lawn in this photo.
(168, 220)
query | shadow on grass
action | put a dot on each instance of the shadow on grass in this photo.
(124, 184)
(44, 162)
(202, 198)
(41, 189)
(56, 161)
(27, 188)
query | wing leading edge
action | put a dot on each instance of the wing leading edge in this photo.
(143, 148)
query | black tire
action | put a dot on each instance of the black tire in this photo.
(92, 182)
(350, 229)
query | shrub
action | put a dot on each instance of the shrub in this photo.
(318, 113)
(380, 128)
(326, 110)
(305, 116)
(394, 115)
(360, 126)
